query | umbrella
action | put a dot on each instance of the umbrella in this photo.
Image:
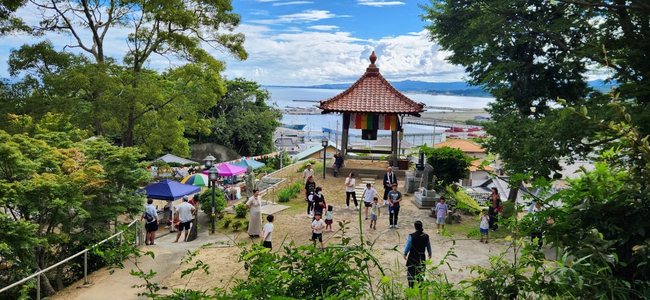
(244, 163)
(169, 190)
(196, 180)
(228, 170)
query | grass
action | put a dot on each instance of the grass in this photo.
(469, 225)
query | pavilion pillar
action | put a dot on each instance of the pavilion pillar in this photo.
(344, 144)
(393, 146)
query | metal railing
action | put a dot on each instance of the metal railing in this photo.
(139, 237)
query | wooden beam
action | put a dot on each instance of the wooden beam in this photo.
(369, 151)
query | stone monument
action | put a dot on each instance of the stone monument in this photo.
(425, 195)
(250, 182)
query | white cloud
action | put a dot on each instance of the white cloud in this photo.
(380, 3)
(258, 12)
(302, 17)
(319, 57)
(292, 3)
(323, 27)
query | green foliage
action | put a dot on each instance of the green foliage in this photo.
(509, 209)
(304, 165)
(242, 121)
(476, 123)
(449, 164)
(241, 210)
(237, 224)
(206, 201)
(273, 163)
(226, 221)
(290, 192)
(464, 201)
(59, 200)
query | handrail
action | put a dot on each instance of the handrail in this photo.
(64, 261)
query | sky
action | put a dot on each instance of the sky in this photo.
(308, 42)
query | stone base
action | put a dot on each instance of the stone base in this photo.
(428, 200)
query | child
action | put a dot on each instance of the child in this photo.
(374, 213)
(328, 218)
(484, 228)
(317, 229)
(441, 214)
(267, 231)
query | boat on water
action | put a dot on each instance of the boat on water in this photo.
(294, 126)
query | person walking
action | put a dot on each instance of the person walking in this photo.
(374, 213)
(310, 189)
(308, 172)
(254, 204)
(317, 226)
(394, 197)
(495, 202)
(389, 179)
(368, 195)
(349, 191)
(150, 216)
(184, 214)
(318, 201)
(414, 254)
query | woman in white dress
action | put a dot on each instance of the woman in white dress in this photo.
(254, 204)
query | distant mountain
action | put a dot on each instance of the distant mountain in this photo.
(459, 88)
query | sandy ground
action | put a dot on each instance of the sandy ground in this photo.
(294, 225)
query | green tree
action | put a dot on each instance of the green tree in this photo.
(57, 200)
(449, 164)
(242, 120)
(528, 53)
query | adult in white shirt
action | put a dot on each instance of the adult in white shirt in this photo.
(349, 191)
(184, 213)
(308, 172)
(368, 195)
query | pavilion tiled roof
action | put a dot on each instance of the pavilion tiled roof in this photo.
(372, 93)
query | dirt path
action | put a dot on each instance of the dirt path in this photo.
(294, 225)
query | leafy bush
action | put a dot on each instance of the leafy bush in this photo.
(241, 210)
(237, 224)
(245, 224)
(304, 165)
(464, 201)
(226, 221)
(205, 199)
(508, 209)
(284, 195)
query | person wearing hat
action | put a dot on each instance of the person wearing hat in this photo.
(414, 253)
(184, 212)
(308, 172)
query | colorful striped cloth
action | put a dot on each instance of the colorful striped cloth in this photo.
(371, 121)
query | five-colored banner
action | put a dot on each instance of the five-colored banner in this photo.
(371, 121)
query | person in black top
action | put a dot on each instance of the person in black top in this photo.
(389, 179)
(310, 187)
(495, 201)
(319, 201)
(414, 254)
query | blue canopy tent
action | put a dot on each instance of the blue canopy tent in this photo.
(244, 163)
(169, 190)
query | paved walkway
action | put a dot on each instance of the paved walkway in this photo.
(118, 283)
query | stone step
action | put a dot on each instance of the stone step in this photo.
(368, 176)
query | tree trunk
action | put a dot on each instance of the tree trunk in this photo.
(127, 133)
(514, 192)
(40, 262)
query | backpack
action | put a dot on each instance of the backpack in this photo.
(149, 217)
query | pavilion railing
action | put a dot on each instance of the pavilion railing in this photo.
(139, 237)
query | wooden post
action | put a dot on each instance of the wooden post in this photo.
(344, 144)
(393, 147)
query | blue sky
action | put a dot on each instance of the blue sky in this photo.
(305, 42)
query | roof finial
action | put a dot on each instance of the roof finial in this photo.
(373, 58)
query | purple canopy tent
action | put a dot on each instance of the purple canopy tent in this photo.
(228, 170)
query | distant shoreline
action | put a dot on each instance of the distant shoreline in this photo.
(462, 93)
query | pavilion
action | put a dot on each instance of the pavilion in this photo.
(372, 104)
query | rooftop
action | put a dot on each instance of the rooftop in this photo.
(463, 145)
(372, 93)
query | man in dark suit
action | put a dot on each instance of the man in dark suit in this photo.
(389, 179)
